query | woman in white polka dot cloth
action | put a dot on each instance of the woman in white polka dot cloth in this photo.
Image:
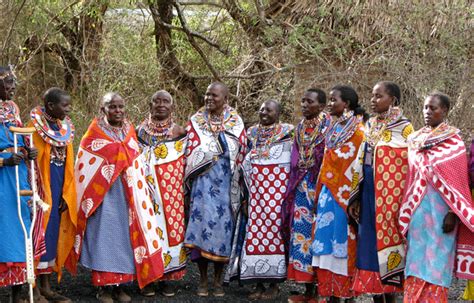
(266, 169)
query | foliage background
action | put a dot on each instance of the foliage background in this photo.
(262, 49)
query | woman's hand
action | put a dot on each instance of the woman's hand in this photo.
(15, 159)
(32, 153)
(354, 210)
(449, 222)
(62, 206)
(245, 210)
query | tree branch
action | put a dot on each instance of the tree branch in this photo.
(196, 3)
(193, 42)
(195, 34)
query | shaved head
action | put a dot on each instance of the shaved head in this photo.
(163, 93)
(222, 86)
(276, 103)
(108, 97)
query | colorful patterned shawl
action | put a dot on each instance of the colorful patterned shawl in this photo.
(297, 173)
(203, 149)
(67, 229)
(390, 167)
(438, 157)
(100, 162)
(340, 173)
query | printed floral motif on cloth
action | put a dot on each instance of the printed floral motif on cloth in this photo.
(298, 207)
(164, 168)
(334, 244)
(381, 257)
(101, 161)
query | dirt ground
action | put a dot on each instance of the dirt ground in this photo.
(79, 289)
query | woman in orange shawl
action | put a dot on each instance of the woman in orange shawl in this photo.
(53, 138)
(117, 232)
(334, 244)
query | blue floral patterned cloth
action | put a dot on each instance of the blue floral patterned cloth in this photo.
(431, 252)
(331, 227)
(210, 224)
(302, 228)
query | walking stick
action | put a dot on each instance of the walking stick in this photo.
(30, 271)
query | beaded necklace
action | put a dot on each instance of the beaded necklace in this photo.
(53, 131)
(215, 123)
(117, 133)
(8, 112)
(154, 132)
(335, 137)
(309, 134)
(378, 124)
(428, 137)
(262, 139)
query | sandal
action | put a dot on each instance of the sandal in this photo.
(271, 293)
(148, 290)
(218, 291)
(104, 295)
(51, 295)
(298, 298)
(257, 293)
(202, 291)
(167, 290)
(120, 295)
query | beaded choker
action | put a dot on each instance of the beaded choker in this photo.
(117, 133)
(379, 123)
(8, 112)
(263, 137)
(62, 136)
(338, 134)
(216, 124)
(154, 132)
(309, 134)
(427, 137)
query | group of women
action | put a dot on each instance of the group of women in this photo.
(346, 204)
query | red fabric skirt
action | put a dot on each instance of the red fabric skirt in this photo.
(12, 274)
(300, 276)
(420, 291)
(174, 276)
(103, 278)
(368, 282)
(331, 284)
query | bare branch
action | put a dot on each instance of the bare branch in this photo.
(43, 41)
(193, 42)
(270, 72)
(260, 10)
(194, 34)
(195, 3)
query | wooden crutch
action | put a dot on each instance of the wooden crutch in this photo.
(30, 270)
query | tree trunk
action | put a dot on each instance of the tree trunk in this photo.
(172, 71)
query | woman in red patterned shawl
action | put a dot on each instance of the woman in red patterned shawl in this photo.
(162, 144)
(117, 232)
(437, 212)
(380, 248)
(334, 243)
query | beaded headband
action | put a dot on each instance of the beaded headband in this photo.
(8, 72)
